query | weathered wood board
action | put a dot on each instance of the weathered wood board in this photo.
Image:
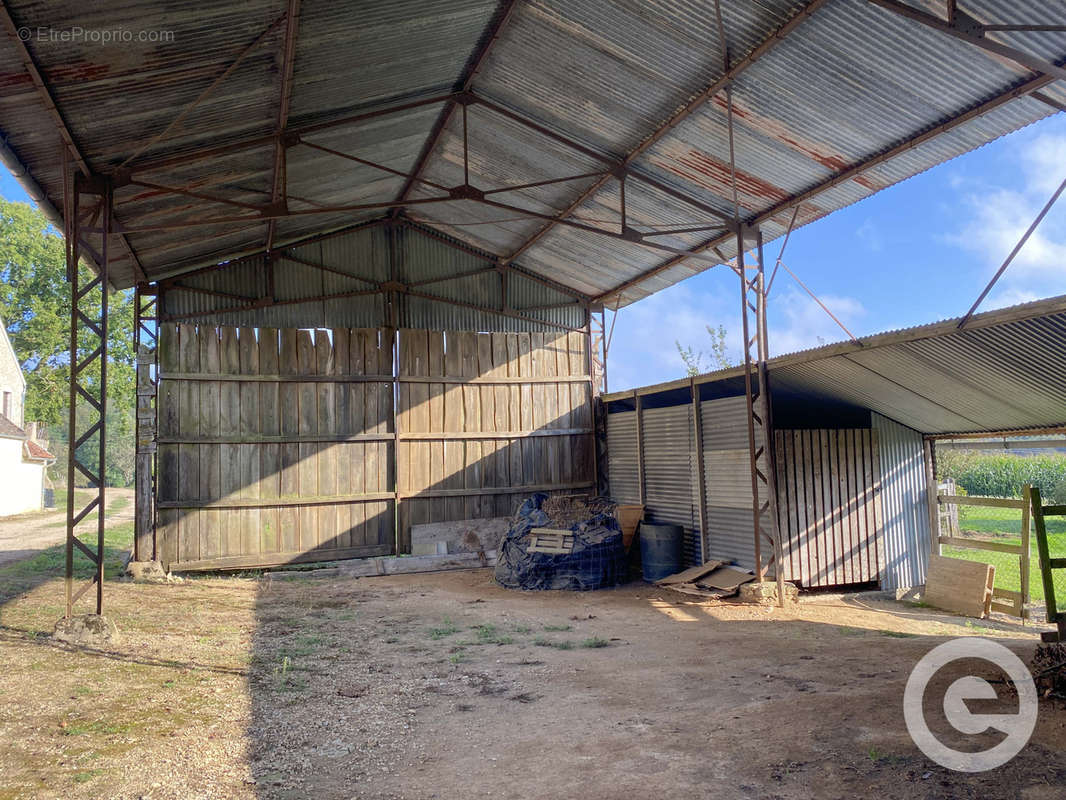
(295, 444)
(964, 587)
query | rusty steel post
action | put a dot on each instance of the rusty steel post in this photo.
(84, 395)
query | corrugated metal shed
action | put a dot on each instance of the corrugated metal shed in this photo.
(904, 505)
(622, 457)
(669, 474)
(834, 100)
(1005, 370)
(728, 478)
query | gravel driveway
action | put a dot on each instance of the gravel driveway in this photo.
(23, 535)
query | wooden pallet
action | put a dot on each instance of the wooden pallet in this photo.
(551, 540)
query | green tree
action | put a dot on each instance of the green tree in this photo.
(717, 355)
(35, 306)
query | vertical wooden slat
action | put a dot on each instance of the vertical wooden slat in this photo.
(307, 364)
(801, 501)
(1027, 545)
(289, 485)
(269, 453)
(453, 423)
(343, 422)
(515, 463)
(539, 412)
(249, 453)
(189, 454)
(210, 458)
(230, 429)
(473, 465)
(327, 456)
(819, 531)
(357, 450)
(435, 449)
(530, 463)
(389, 532)
(500, 423)
(168, 519)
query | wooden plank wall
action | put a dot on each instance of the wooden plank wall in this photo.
(485, 419)
(274, 446)
(278, 446)
(830, 507)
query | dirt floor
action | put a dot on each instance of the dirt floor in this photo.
(446, 686)
(25, 534)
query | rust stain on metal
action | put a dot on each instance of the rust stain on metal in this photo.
(777, 130)
(714, 174)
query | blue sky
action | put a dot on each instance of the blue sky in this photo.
(917, 252)
(914, 253)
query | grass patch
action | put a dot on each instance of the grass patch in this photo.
(543, 641)
(21, 576)
(1003, 525)
(557, 628)
(87, 775)
(445, 629)
(99, 726)
(118, 504)
(490, 634)
(595, 641)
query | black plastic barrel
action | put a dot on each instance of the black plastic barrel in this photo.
(660, 550)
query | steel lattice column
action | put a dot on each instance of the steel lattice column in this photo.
(757, 394)
(89, 201)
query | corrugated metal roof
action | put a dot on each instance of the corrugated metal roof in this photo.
(1005, 370)
(849, 82)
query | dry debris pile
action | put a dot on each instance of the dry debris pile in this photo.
(1049, 670)
(568, 542)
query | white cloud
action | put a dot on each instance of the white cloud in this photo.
(996, 218)
(797, 322)
(643, 349)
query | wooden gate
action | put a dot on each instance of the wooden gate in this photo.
(274, 446)
(829, 484)
(281, 446)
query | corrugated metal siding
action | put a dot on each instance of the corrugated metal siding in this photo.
(363, 254)
(622, 465)
(730, 528)
(904, 503)
(669, 474)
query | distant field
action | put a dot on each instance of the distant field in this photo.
(1004, 526)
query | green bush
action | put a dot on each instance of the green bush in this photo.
(1003, 474)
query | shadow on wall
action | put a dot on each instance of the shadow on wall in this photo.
(280, 446)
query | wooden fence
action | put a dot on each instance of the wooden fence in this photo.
(1006, 601)
(277, 446)
(486, 418)
(829, 484)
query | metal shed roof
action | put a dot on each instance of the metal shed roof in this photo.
(1003, 370)
(242, 127)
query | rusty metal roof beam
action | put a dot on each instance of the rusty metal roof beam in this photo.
(60, 122)
(288, 57)
(683, 113)
(966, 29)
(477, 58)
(1025, 88)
